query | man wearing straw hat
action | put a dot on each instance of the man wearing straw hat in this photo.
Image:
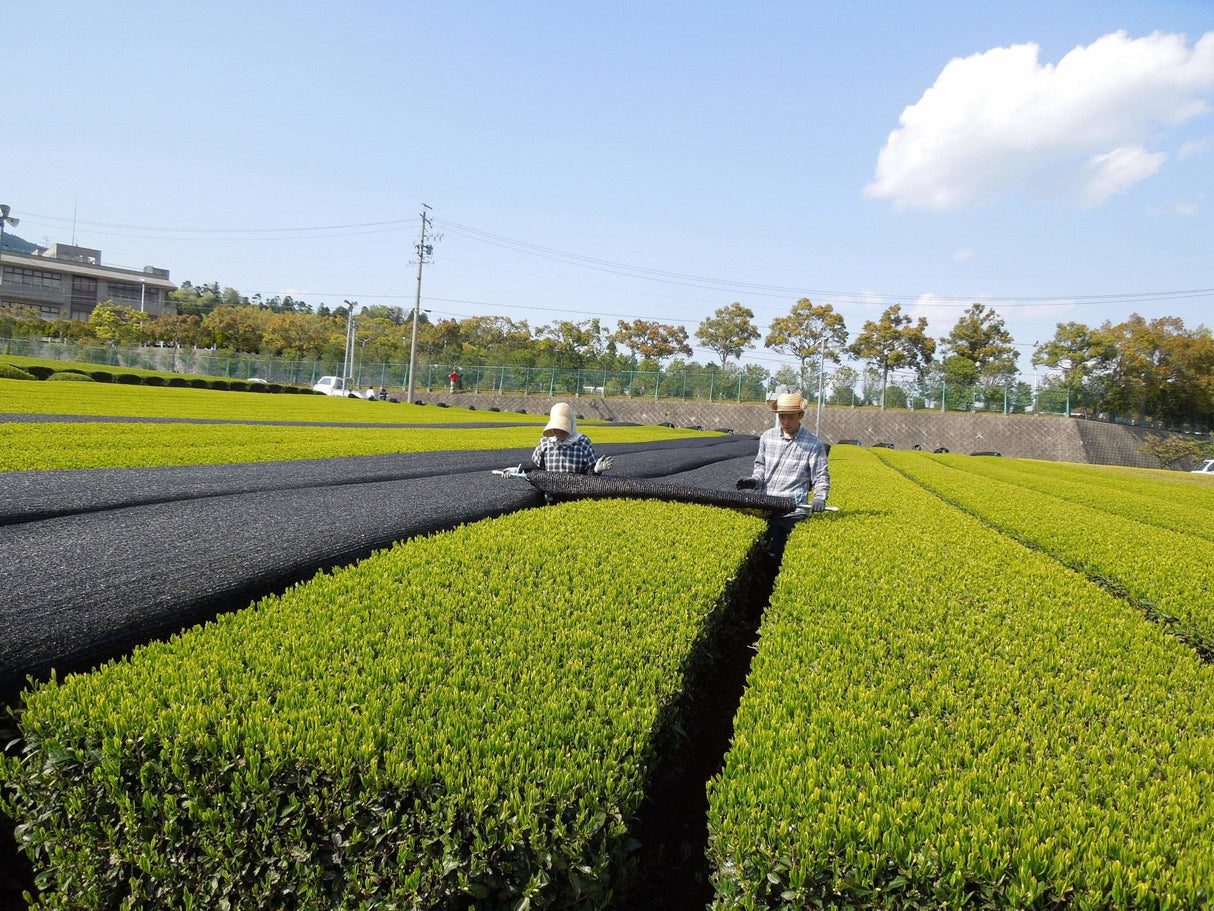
(791, 462)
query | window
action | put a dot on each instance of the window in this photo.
(32, 278)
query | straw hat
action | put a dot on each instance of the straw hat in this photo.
(788, 403)
(561, 418)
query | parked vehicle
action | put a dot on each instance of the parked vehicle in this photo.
(1206, 467)
(334, 385)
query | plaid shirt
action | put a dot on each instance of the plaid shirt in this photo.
(575, 456)
(792, 468)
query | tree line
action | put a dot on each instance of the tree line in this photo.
(1139, 368)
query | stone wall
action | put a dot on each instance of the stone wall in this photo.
(1051, 437)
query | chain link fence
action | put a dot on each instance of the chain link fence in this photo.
(691, 382)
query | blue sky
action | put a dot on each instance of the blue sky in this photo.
(1054, 161)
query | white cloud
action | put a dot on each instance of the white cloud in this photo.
(1180, 209)
(1196, 147)
(1002, 121)
(1108, 174)
(962, 255)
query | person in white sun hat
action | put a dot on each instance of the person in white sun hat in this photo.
(791, 462)
(562, 448)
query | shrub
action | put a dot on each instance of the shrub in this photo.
(9, 372)
(129, 379)
(70, 376)
(179, 382)
(102, 376)
(199, 382)
(155, 379)
(39, 371)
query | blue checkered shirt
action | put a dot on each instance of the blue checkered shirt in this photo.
(575, 456)
(792, 468)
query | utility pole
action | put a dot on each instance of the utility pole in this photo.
(423, 250)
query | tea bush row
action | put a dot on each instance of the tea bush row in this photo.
(939, 717)
(1164, 572)
(87, 444)
(1172, 500)
(467, 719)
(147, 378)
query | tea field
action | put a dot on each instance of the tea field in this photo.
(982, 683)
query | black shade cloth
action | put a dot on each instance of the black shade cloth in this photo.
(96, 561)
(567, 486)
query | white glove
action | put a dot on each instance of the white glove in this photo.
(602, 464)
(516, 472)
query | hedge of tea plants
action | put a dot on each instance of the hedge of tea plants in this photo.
(1166, 573)
(1173, 500)
(462, 720)
(939, 717)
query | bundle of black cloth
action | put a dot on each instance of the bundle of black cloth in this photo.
(566, 486)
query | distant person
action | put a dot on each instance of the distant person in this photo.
(791, 462)
(453, 376)
(562, 448)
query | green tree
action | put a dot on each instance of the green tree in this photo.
(240, 328)
(981, 338)
(174, 329)
(651, 340)
(894, 342)
(117, 324)
(295, 335)
(728, 332)
(1083, 355)
(808, 332)
(1171, 450)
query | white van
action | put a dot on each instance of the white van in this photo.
(332, 385)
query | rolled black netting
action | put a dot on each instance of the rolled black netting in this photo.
(566, 486)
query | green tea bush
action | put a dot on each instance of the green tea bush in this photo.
(70, 376)
(938, 717)
(1171, 500)
(103, 376)
(130, 379)
(1163, 572)
(466, 720)
(179, 382)
(39, 371)
(9, 372)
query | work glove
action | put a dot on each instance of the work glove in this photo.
(747, 484)
(516, 472)
(817, 505)
(602, 464)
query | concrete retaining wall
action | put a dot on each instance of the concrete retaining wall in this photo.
(1050, 437)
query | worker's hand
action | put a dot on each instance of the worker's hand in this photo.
(602, 464)
(516, 472)
(747, 484)
(817, 505)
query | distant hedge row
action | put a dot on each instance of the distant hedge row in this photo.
(105, 375)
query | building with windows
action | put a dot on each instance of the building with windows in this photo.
(66, 282)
